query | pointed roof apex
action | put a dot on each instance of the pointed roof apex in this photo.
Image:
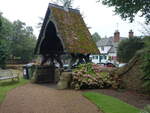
(63, 8)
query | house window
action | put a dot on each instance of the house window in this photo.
(102, 48)
(95, 57)
(101, 57)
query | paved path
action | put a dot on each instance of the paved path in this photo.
(33, 98)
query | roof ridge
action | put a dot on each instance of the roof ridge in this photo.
(61, 7)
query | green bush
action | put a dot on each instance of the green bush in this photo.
(146, 69)
(128, 47)
(92, 76)
(146, 109)
(147, 41)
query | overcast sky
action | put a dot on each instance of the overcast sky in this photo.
(100, 18)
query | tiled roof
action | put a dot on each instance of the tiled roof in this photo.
(109, 42)
(104, 42)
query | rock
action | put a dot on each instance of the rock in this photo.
(57, 75)
(62, 85)
(65, 80)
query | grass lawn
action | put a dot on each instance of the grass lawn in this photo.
(7, 85)
(108, 104)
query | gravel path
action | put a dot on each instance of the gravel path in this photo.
(33, 98)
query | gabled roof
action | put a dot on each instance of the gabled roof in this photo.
(71, 30)
(104, 42)
(108, 42)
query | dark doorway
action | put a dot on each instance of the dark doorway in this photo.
(51, 42)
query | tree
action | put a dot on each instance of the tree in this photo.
(16, 39)
(130, 8)
(145, 29)
(23, 41)
(5, 29)
(147, 42)
(65, 3)
(128, 47)
(4, 53)
(96, 37)
(39, 24)
(0, 22)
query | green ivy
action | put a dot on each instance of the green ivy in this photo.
(146, 69)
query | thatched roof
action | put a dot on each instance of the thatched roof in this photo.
(71, 29)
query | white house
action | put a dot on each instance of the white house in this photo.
(108, 48)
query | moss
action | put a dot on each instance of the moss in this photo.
(73, 32)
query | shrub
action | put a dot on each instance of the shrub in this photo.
(92, 76)
(146, 109)
(146, 69)
(128, 47)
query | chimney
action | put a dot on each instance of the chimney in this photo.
(116, 36)
(131, 34)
